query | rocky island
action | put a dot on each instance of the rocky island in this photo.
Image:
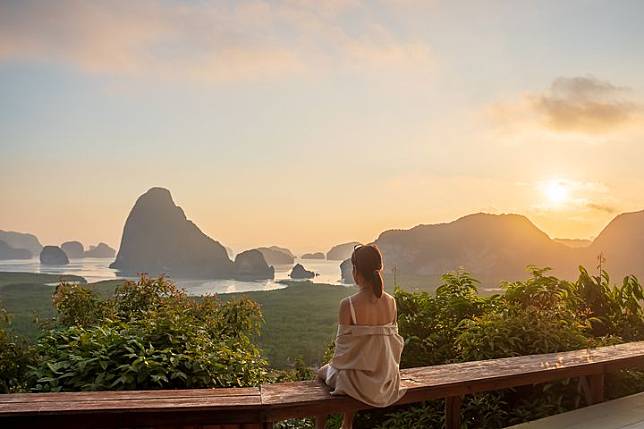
(251, 265)
(299, 273)
(21, 240)
(53, 255)
(73, 249)
(158, 238)
(277, 255)
(342, 251)
(316, 255)
(101, 250)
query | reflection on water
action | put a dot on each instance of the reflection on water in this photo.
(97, 269)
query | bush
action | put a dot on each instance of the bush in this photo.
(16, 356)
(149, 336)
(77, 305)
(542, 314)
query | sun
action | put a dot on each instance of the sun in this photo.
(556, 191)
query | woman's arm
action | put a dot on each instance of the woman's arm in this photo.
(344, 313)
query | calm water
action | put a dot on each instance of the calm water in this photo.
(96, 269)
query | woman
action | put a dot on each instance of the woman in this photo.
(367, 346)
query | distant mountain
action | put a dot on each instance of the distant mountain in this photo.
(8, 252)
(101, 250)
(73, 249)
(573, 242)
(341, 252)
(277, 255)
(316, 255)
(621, 243)
(491, 247)
(21, 240)
(158, 238)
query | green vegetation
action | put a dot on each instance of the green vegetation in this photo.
(301, 320)
(27, 298)
(542, 314)
(147, 335)
(150, 335)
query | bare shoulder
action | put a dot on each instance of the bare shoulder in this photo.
(344, 315)
(344, 303)
(390, 299)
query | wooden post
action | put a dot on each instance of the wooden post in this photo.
(596, 382)
(320, 421)
(453, 412)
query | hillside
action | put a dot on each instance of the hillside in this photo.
(621, 243)
(491, 247)
(22, 240)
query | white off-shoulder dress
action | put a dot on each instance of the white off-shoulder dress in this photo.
(366, 363)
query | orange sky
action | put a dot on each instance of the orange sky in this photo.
(304, 124)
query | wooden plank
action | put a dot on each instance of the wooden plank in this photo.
(216, 403)
(274, 402)
(128, 394)
(622, 413)
(301, 399)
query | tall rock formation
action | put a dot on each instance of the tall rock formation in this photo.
(158, 238)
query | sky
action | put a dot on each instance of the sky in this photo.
(306, 124)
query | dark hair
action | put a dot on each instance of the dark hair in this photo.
(367, 260)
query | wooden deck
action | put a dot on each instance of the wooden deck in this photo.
(259, 407)
(623, 413)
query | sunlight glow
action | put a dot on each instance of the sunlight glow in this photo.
(556, 191)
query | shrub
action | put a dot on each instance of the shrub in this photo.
(77, 305)
(16, 355)
(150, 335)
(539, 315)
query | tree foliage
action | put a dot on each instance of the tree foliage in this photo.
(149, 335)
(541, 314)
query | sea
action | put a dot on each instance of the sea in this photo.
(97, 269)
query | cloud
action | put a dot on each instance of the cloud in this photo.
(584, 104)
(601, 207)
(212, 41)
(572, 105)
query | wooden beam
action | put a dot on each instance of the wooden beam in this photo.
(453, 412)
(320, 421)
(596, 383)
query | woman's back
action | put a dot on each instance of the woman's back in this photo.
(368, 310)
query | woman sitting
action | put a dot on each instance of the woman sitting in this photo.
(365, 364)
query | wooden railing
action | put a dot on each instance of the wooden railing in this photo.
(254, 408)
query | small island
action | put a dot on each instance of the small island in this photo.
(316, 255)
(300, 273)
(53, 255)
